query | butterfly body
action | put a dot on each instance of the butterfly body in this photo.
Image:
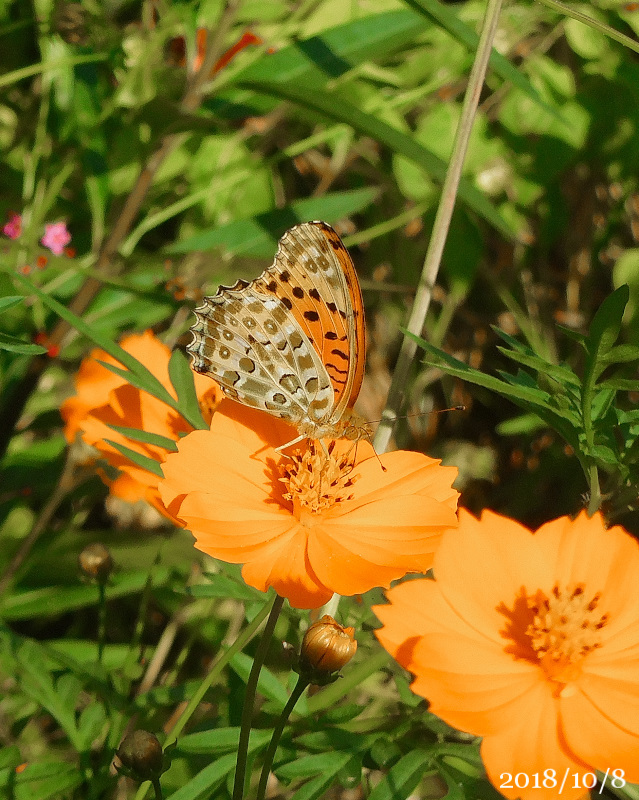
(291, 342)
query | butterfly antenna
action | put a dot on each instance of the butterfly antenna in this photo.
(417, 414)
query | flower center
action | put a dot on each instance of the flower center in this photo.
(317, 480)
(566, 627)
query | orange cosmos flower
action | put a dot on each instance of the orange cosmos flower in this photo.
(531, 641)
(103, 398)
(306, 524)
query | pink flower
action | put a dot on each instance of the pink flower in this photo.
(13, 228)
(56, 236)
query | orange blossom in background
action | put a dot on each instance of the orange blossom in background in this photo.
(530, 640)
(103, 398)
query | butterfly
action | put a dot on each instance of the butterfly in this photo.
(292, 342)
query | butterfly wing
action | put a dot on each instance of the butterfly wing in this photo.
(313, 275)
(294, 338)
(248, 343)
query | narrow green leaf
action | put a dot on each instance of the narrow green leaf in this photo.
(141, 373)
(146, 437)
(403, 777)
(207, 780)
(143, 382)
(309, 766)
(621, 354)
(181, 376)
(534, 401)
(316, 787)
(257, 236)
(337, 50)
(268, 684)
(604, 332)
(448, 19)
(220, 740)
(339, 107)
(621, 384)
(55, 600)
(48, 781)
(149, 464)
(15, 345)
(10, 301)
(37, 682)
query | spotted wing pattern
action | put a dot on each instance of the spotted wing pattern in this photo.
(291, 342)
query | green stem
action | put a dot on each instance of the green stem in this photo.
(249, 699)
(242, 640)
(297, 692)
(440, 226)
(595, 490)
(101, 620)
(157, 788)
(595, 24)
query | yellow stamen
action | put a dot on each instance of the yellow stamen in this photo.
(316, 481)
(565, 628)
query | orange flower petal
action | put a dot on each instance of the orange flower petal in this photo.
(227, 486)
(529, 745)
(601, 724)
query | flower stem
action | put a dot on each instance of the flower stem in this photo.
(440, 226)
(297, 692)
(157, 788)
(101, 620)
(249, 698)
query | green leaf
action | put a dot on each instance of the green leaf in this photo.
(181, 376)
(338, 106)
(15, 345)
(220, 740)
(55, 600)
(224, 586)
(46, 781)
(146, 463)
(141, 380)
(403, 777)
(621, 354)
(37, 682)
(207, 780)
(603, 333)
(268, 685)
(559, 416)
(10, 301)
(134, 368)
(257, 236)
(449, 20)
(146, 437)
(308, 766)
(337, 50)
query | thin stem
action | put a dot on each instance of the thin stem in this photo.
(223, 659)
(249, 699)
(440, 227)
(595, 490)
(297, 692)
(101, 620)
(157, 788)
(66, 483)
(564, 8)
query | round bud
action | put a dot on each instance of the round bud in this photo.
(96, 562)
(327, 647)
(141, 752)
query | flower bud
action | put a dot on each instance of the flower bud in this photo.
(96, 562)
(141, 752)
(327, 647)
